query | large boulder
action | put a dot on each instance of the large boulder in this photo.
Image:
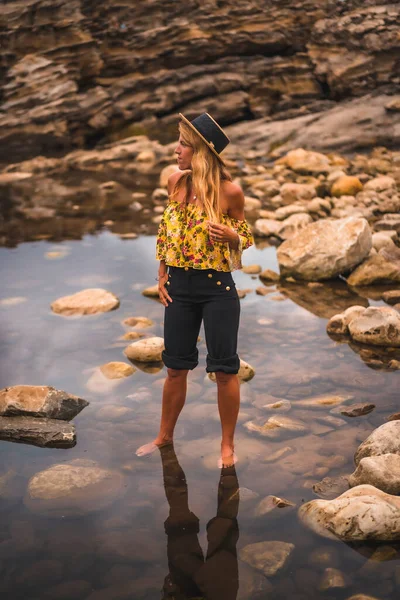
(325, 249)
(378, 268)
(383, 440)
(362, 513)
(383, 472)
(377, 325)
(39, 401)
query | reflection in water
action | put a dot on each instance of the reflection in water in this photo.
(190, 576)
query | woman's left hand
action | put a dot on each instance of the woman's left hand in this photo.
(221, 233)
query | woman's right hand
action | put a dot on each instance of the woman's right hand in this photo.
(162, 291)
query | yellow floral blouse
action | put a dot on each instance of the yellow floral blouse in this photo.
(187, 244)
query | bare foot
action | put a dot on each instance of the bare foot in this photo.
(228, 456)
(152, 446)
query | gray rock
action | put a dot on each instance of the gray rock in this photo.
(46, 433)
(39, 401)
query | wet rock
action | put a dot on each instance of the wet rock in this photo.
(383, 267)
(271, 503)
(268, 276)
(377, 325)
(245, 494)
(383, 472)
(39, 401)
(339, 323)
(117, 370)
(138, 322)
(146, 350)
(132, 335)
(325, 249)
(267, 557)
(331, 487)
(246, 372)
(252, 584)
(37, 431)
(251, 269)
(393, 417)
(86, 302)
(151, 292)
(357, 410)
(114, 413)
(383, 440)
(346, 185)
(281, 453)
(278, 426)
(73, 489)
(324, 401)
(391, 296)
(279, 406)
(361, 513)
(263, 291)
(332, 579)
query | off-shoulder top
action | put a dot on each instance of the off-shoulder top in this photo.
(186, 243)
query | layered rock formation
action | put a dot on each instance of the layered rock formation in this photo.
(79, 72)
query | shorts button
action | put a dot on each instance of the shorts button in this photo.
(210, 275)
(227, 287)
(218, 283)
(186, 268)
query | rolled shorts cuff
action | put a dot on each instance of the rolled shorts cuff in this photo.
(227, 365)
(181, 362)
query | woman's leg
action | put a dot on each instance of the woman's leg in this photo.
(221, 316)
(182, 320)
(173, 400)
(228, 407)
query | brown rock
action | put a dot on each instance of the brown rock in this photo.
(357, 410)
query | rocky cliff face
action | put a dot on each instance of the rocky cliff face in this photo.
(79, 72)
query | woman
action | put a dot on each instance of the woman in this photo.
(200, 240)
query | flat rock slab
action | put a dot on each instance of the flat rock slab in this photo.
(46, 433)
(39, 401)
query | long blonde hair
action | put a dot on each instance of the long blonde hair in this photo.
(205, 176)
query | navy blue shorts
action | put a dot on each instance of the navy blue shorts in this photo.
(201, 295)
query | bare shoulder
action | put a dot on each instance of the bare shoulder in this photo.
(235, 199)
(172, 179)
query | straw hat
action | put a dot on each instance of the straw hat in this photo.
(209, 131)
